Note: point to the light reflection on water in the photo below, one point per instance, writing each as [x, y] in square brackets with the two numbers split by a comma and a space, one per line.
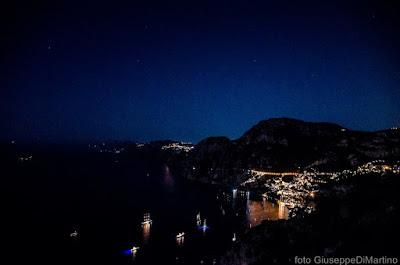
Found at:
[133, 255]
[169, 181]
[146, 232]
[258, 211]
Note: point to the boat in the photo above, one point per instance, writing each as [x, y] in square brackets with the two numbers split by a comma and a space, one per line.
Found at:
[204, 227]
[134, 249]
[146, 219]
[198, 219]
[180, 235]
[74, 234]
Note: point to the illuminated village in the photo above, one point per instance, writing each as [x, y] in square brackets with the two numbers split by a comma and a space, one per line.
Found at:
[178, 146]
[296, 191]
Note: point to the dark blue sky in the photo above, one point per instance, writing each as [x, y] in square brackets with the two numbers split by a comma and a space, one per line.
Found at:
[188, 70]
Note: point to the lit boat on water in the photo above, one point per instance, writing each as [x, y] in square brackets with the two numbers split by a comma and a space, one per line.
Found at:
[198, 219]
[180, 238]
[74, 234]
[204, 226]
[134, 249]
[146, 219]
[180, 235]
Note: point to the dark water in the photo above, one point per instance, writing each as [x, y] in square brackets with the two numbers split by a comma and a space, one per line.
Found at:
[106, 205]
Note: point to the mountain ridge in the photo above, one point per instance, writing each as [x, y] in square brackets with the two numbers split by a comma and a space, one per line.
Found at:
[288, 144]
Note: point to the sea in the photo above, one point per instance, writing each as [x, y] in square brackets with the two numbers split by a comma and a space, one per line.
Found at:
[79, 208]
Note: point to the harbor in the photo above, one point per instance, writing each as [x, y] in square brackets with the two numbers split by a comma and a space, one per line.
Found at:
[204, 223]
[194, 235]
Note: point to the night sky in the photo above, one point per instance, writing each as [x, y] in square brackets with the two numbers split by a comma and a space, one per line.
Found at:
[146, 70]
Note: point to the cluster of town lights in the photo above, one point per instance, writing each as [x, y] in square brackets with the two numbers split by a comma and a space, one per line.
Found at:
[297, 193]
